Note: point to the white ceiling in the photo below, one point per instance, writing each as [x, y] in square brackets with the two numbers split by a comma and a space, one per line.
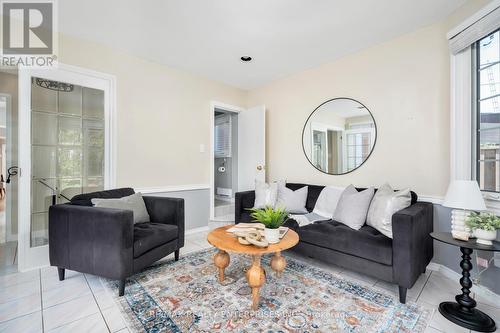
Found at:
[207, 37]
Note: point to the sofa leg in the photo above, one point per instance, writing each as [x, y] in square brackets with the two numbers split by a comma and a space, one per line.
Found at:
[60, 271]
[176, 255]
[402, 294]
[121, 288]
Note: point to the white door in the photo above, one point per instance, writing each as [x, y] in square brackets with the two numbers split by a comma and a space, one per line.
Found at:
[65, 147]
[251, 147]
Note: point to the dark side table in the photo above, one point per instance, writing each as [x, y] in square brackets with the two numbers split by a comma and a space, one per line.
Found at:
[464, 312]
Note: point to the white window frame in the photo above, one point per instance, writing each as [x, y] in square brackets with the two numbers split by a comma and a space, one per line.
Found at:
[357, 131]
[462, 119]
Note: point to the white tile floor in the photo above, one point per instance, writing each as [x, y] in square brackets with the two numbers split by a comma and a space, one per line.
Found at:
[37, 301]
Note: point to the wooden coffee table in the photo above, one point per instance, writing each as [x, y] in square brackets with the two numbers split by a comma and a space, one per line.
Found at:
[227, 242]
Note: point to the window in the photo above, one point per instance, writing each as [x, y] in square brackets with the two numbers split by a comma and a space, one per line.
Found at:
[223, 136]
[486, 102]
[359, 144]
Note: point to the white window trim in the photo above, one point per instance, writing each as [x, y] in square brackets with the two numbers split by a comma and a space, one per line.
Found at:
[461, 117]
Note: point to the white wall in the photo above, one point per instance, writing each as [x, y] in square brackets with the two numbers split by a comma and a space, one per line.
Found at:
[404, 83]
[163, 115]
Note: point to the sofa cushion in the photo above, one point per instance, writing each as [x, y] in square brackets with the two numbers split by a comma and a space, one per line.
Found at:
[365, 243]
[148, 235]
[85, 198]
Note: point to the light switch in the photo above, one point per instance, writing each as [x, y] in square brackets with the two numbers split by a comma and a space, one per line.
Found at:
[202, 148]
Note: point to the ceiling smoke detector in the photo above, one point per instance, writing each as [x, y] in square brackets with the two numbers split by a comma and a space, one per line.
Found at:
[246, 58]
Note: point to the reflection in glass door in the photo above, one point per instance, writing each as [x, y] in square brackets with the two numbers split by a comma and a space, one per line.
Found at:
[67, 147]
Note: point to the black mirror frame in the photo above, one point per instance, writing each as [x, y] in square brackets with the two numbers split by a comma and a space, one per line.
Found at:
[367, 157]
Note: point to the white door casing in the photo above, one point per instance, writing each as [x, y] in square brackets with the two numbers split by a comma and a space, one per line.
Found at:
[251, 147]
[35, 257]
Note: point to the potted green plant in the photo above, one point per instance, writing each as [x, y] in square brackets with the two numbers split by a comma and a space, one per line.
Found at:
[272, 219]
[484, 226]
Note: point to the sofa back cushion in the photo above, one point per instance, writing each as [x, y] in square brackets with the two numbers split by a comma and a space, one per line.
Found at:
[315, 190]
[85, 199]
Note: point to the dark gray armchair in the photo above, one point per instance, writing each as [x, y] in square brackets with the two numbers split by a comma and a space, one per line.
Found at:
[106, 242]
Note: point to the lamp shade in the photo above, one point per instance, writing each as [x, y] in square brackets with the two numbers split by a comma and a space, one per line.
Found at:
[464, 194]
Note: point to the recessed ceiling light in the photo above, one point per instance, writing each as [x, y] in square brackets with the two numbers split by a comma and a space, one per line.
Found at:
[246, 58]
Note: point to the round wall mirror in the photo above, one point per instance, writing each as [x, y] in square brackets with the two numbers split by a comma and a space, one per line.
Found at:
[339, 136]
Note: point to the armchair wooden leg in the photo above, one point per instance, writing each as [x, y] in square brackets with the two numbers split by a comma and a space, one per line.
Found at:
[121, 288]
[402, 294]
[176, 255]
[60, 271]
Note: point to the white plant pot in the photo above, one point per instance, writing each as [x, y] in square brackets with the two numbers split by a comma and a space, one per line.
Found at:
[485, 237]
[272, 235]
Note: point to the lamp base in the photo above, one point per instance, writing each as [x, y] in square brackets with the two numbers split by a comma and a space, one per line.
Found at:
[458, 228]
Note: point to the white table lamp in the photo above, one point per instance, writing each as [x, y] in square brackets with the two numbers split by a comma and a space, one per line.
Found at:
[464, 196]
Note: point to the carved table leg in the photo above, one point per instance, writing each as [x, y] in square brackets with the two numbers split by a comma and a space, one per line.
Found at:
[463, 312]
[256, 278]
[221, 260]
[278, 263]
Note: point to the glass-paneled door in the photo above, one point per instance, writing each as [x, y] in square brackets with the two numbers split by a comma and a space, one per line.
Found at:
[67, 140]
[64, 148]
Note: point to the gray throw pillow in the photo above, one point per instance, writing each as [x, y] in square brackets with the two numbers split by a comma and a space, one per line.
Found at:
[294, 202]
[385, 203]
[133, 202]
[265, 194]
[352, 207]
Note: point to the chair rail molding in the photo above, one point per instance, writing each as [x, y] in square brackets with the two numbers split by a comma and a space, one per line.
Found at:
[172, 188]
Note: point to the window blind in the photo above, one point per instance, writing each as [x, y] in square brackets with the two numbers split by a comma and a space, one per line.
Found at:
[223, 136]
[475, 31]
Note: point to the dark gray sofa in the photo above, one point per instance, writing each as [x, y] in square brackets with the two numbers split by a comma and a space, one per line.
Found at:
[106, 242]
[400, 260]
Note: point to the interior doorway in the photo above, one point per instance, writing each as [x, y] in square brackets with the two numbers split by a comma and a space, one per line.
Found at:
[225, 163]
[237, 155]
[66, 148]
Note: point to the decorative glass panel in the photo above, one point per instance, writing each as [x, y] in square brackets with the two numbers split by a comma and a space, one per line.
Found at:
[68, 188]
[43, 160]
[69, 162]
[42, 194]
[70, 131]
[93, 103]
[71, 102]
[43, 99]
[43, 128]
[67, 148]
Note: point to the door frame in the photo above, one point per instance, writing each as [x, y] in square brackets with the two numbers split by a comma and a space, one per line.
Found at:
[229, 108]
[9, 236]
[31, 258]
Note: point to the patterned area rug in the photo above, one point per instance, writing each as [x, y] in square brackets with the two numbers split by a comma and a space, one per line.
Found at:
[185, 296]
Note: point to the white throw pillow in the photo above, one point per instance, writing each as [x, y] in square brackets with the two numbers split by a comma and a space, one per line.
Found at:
[265, 194]
[328, 200]
[352, 207]
[133, 202]
[385, 203]
[292, 201]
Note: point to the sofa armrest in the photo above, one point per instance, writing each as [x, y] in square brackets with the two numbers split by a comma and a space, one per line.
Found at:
[243, 201]
[412, 248]
[168, 211]
[92, 240]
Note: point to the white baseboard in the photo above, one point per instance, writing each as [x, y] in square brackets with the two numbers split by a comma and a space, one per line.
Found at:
[477, 289]
[196, 230]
